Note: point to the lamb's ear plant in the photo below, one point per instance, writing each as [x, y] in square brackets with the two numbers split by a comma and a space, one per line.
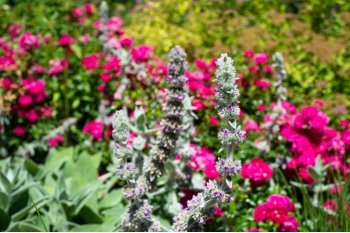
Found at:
[201, 207]
[140, 177]
[272, 128]
[172, 121]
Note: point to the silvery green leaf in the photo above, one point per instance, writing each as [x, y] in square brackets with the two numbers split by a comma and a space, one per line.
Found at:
[314, 173]
[139, 143]
[198, 181]
[299, 185]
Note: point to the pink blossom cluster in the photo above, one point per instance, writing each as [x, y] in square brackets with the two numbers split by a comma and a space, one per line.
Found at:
[203, 159]
[30, 103]
[201, 84]
[277, 209]
[83, 12]
[55, 141]
[95, 129]
[110, 66]
[258, 68]
[20, 79]
[257, 171]
[310, 138]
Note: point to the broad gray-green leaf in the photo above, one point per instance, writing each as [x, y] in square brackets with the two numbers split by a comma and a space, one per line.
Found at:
[111, 199]
[23, 227]
[4, 201]
[4, 220]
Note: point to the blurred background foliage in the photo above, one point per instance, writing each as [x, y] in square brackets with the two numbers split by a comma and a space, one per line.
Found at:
[313, 35]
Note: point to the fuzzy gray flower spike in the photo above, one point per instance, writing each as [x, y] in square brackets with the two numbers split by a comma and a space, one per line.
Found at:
[201, 207]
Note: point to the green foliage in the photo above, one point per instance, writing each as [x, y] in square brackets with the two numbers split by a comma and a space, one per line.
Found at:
[312, 34]
[64, 194]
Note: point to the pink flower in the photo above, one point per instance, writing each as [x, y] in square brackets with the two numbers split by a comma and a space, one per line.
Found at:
[305, 176]
[218, 212]
[32, 116]
[53, 142]
[77, 12]
[114, 24]
[203, 159]
[101, 88]
[262, 83]
[46, 111]
[14, 29]
[201, 64]
[261, 58]
[289, 225]
[248, 53]
[211, 172]
[28, 41]
[142, 53]
[319, 103]
[251, 125]
[37, 69]
[344, 123]
[197, 104]
[7, 62]
[213, 121]
[90, 62]
[260, 213]
[94, 129]
[105, 77]
[19, 131]
[257, 171]
[89, 8]
[268, 69]
[345, 136]
[25, 100]
[85, 38]
[35, 87]
[276, 209]
[57, 66]
[253, 69]
[278, 201]
[255, 229]
[126, 42]
[113, 64]
[261, 107]
[6, 83]
[66, 40]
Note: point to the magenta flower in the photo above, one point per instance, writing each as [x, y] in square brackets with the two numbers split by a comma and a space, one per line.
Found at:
[25, 100]
[94, 129]
[251, 125]
[277, 209]
[77, 12]
[14, 29]
[28, 41]
[66, 40]
[257, 171]
[203, 159]
[105, 77]
[261, 58]
[126, 42]
[90, 62]
[262, 83]
[141, 53]
[248, 53]
[289, 225]
[19, 131]
[213, 121]
[114, 24]
[55, 141]
[255, 229]
[57, 66]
